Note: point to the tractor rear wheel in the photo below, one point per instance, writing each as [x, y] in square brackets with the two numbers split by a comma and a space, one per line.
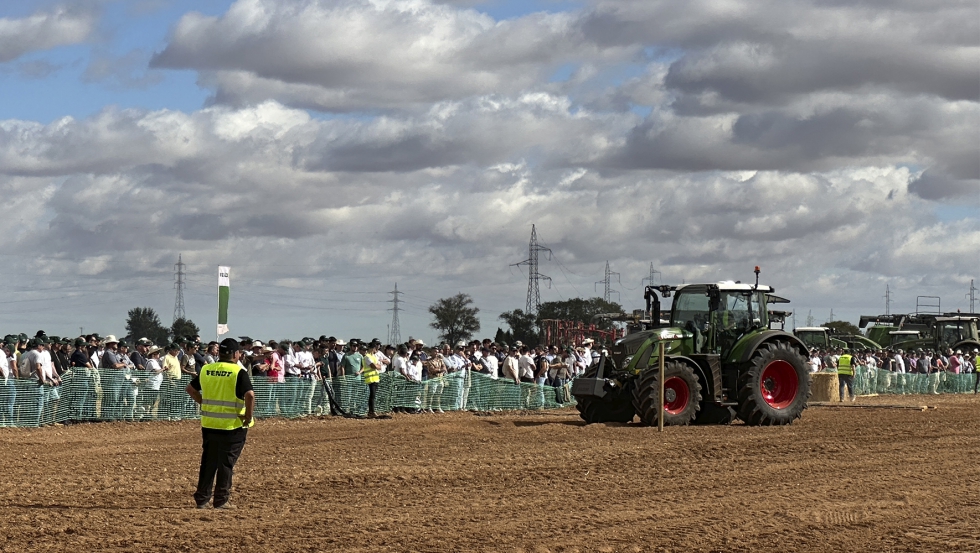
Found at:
[615, 407]
[775, 388]
[682, 395]
[967, 347]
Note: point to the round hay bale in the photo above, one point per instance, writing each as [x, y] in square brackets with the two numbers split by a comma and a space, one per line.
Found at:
[824, 386]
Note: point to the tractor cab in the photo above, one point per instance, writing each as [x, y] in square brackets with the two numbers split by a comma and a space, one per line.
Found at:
[717, 315]
[950, 331]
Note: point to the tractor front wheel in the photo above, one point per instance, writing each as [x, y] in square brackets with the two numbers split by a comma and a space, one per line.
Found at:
[682, 395]
[775, 388]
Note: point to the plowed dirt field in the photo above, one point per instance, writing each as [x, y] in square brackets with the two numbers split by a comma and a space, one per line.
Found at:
[840, 479]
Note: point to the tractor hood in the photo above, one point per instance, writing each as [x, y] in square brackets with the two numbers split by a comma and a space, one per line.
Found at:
[635, 350]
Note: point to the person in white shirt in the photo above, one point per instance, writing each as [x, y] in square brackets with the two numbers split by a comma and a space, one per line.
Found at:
[384, 357]
[415, 367]
[151, 388]
[490, 364]
[288, 402]
[511, 370]
[399, 364]
[525, 366]
[8, 391]
[900, 371]
[307, 385]
[587, 351]
[462, 365]
[48, 381]
[815, 362]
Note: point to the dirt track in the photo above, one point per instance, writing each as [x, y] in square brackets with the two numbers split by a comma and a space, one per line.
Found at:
[839, 480]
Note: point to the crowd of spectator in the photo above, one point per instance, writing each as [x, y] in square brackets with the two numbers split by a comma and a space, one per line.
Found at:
[141, 379]
[925, 361]
[120, 380]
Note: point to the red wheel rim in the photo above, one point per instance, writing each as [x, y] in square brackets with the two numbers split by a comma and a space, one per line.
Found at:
[676, 395]
[779, 384]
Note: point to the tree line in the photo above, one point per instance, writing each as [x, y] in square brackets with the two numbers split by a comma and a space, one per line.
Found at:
[143, 322]
[456, 319]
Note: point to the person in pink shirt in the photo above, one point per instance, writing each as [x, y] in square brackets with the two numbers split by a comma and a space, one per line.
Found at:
[955, 362]
[276, 374]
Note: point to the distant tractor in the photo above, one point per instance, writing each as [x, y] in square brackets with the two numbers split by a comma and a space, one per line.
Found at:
[858, 342]
[721, 361]
[956, 331]
[818, 337]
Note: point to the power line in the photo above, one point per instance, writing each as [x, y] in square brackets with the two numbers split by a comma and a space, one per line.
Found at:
[179, 285]
[607, 282]
[652, 279]
[533, 276]
[973, 296]
[395, 331]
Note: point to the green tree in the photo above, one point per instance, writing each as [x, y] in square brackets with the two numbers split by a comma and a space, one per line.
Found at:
[454, 318]
[502, 337]
[522, 326]
[184, 328]
[843, 327]
[143, 322]
[579, 309]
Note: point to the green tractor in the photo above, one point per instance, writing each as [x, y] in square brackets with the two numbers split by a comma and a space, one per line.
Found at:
[857, 342]
[956, 331]
[952, 331]
[721, 361]
[889, 330]
[818, 337]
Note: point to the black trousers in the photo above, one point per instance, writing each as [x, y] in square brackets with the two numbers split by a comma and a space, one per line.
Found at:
[220, 452]
[372, 394]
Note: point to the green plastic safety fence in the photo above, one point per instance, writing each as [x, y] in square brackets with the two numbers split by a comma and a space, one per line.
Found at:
[120, 395]
[879, 381]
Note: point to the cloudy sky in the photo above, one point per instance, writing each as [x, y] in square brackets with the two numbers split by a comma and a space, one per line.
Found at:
[326, 150]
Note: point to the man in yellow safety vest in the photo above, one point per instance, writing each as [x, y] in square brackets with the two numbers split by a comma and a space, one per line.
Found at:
[845, 374]
[224, 392]
[976, 370]
[370, 372]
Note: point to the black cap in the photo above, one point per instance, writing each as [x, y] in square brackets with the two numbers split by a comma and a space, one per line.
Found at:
[229, 345]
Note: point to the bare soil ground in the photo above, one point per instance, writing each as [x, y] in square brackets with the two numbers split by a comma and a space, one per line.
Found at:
[838, 480]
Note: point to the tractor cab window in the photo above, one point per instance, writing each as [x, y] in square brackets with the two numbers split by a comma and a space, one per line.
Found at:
[956, 331]
[813, 339]
[741, 310]
[690, 310]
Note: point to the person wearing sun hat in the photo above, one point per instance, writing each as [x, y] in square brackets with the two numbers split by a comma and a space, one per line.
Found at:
[111, 375]
[150, 394]
[172, 398]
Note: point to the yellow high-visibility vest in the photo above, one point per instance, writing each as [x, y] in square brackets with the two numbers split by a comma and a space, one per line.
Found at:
[844, 364]
[220, 407]
[369, 373]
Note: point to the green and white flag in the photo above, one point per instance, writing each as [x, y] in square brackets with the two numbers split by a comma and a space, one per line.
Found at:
[224, 285]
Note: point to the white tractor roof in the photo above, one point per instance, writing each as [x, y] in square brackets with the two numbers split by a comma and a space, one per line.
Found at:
[811, 329]
[732, 286]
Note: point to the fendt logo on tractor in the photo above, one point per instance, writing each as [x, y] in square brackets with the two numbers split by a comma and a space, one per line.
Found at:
[721, 361]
